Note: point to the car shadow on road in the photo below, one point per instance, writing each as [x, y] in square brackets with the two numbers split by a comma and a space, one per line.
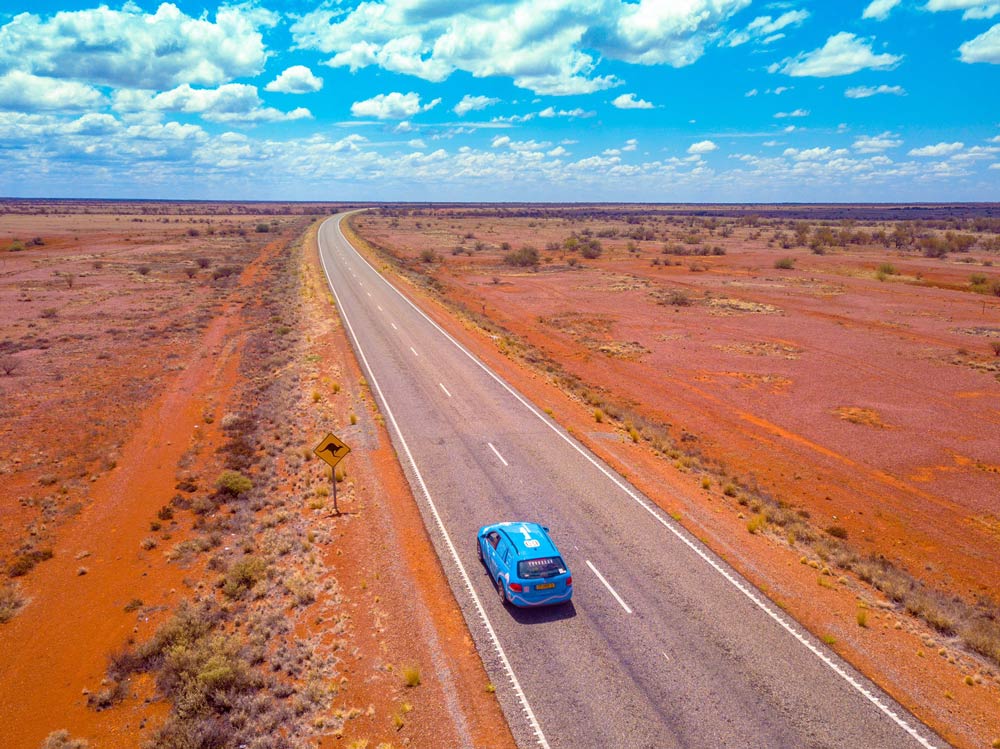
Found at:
[542, 614]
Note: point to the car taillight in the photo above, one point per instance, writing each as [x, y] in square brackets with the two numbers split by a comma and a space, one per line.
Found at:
[569, 581]
[516, 587]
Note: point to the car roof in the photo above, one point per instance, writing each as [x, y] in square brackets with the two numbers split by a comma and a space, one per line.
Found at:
[530, 540]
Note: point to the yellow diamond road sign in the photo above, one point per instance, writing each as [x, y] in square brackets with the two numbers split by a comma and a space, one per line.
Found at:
[332, 450]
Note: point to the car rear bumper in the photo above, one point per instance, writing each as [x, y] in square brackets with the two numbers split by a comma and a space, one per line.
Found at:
[552, 599]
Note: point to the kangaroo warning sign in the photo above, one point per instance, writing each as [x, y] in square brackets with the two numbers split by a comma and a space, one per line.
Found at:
[332, 449]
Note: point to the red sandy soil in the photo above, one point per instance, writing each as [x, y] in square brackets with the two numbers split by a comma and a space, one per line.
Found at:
[873, 405]
[116, 396]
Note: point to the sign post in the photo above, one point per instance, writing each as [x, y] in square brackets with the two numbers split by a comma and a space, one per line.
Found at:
[332, 450]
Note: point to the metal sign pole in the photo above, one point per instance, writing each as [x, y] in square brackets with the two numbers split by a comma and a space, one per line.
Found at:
[333, 475]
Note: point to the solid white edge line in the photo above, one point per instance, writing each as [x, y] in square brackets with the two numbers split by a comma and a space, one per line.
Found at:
[658, 516]
[505, 662]
[608, 586]
[441, 385]
[497, 453]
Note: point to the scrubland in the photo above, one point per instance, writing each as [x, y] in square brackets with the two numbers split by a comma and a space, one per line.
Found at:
[174, 571]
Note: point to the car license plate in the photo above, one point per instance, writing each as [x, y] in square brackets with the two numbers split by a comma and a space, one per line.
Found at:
[545, 586]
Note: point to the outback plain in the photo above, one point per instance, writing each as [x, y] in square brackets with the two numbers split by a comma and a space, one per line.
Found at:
[813, 391]
[175, 573]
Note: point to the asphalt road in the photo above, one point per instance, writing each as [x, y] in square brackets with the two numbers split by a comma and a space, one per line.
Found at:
[664, 645]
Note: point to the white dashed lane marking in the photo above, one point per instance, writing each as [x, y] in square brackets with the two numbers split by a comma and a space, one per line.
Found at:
[610, 589]
[497, 453]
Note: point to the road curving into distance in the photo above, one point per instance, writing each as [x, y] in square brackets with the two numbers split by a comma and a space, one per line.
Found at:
[664, 645]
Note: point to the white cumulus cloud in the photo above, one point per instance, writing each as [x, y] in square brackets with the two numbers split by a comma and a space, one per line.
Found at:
[297, 79]
[842, 54]
[392, 106]
[939, 149]
[793, 113]
[550, 112]
[24, 92]
[473, 104]
[984, 48]
[972, 8]
[549, 48]
[702, 146]
[879, 9]
[863, 92]
[131, 48]
[876, 143]
[765, 28]
[231, 102]
[628, 101]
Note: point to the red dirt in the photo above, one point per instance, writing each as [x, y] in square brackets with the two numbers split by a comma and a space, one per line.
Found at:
[136, 368]
[830, 389]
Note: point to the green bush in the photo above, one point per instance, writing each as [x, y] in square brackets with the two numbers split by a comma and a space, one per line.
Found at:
[243, 576]
[233, 483]
[526, 257]
[785, 263]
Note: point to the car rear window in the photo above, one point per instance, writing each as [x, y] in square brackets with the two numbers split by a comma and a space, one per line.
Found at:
[544, 567]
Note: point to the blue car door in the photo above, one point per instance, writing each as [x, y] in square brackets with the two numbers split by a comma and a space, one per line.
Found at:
[490, 541]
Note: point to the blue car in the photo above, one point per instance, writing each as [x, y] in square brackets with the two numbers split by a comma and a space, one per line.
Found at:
[524, 564]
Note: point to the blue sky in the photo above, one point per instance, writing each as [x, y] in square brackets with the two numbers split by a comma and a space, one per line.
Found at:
[507, 100]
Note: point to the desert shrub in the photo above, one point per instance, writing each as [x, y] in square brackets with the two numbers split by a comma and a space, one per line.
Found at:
[785, 263]
[995, 345]
[192, 232]
[428, 256]
[263, 228]
[9, 365]
[233, 483]
[526, 257]
[977, 279]
[933, 246]
[203, 262]
[143, 270]
[239, 452]
[591, 249]
[887, 269]
[932, 609]
[16, 246]
[411, 676]
[24, 563]
[837, 531]
[677, 298]
[982, 635]
[224, 271]
[10, 603]
[62, 740]
[243, 575]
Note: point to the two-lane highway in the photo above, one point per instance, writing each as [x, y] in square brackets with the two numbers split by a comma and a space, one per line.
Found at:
[663, 645]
